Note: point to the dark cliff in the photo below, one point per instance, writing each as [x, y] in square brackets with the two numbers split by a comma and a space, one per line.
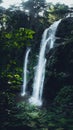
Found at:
[59, 69]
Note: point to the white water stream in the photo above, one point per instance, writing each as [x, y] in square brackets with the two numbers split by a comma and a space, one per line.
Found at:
[25, 73]
[48, 38]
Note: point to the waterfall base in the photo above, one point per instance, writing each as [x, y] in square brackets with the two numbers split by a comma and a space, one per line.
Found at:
[35, 101]
[23, 94]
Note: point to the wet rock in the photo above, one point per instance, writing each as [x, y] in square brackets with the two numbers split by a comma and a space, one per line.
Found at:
[59, 69]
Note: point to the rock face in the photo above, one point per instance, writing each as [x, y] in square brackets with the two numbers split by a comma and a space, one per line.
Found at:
[59, 69]
[65, 28]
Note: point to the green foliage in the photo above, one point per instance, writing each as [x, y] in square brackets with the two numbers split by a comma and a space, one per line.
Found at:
[12, 48]
[34, 117]
[17, 38]
[55, 12]
[65, 96]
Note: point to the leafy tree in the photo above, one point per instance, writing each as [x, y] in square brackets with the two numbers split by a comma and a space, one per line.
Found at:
[16, 19]
[55, 12]
[61, 10]
[34, 7]
[13, 45]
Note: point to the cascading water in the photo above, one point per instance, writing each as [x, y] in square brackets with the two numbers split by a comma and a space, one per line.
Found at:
[48, 38]
[25, 73]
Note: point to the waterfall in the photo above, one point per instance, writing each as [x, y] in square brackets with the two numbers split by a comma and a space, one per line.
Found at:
[25, 73]
[48, 38]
